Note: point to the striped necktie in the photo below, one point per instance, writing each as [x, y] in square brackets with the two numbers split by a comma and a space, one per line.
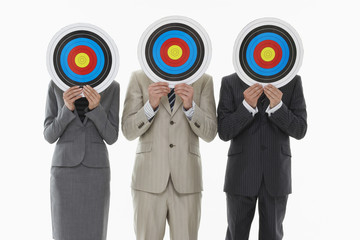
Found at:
[171, 96]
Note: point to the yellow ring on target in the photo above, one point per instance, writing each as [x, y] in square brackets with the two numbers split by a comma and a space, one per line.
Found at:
[82, 60]
[268, 54]
[175, 52]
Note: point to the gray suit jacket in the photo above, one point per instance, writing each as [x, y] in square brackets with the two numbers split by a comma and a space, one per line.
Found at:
[82, 142]
[260, 145]
[169, 144]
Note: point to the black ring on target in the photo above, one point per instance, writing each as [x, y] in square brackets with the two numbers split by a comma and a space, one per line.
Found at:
[170, 27]
[268, 51]
[268, 29]
[88, 35]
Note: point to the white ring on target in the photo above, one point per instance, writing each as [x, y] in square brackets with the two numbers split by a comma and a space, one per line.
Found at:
[175, 19]
[91, 28]
[275, 22]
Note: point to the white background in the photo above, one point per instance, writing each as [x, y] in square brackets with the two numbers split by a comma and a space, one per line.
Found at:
[325, 199]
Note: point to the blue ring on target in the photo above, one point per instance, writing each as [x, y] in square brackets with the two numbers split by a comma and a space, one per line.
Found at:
[99, 55]
[174, 34]
[251, 48]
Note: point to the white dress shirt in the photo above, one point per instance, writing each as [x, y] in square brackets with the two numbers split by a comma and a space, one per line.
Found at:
[269, 110]
[150, 113]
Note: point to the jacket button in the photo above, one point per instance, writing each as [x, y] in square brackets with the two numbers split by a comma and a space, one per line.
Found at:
[197, 125]
[141, 124]
[171, 145]
[172, 122]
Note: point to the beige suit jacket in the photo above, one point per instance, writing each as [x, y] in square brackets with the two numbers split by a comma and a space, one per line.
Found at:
[169, 144]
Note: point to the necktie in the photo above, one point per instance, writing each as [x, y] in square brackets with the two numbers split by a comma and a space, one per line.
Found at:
[171, 96]
[262, 98]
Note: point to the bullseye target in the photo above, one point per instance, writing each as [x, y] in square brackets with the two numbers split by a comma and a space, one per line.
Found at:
[174, 49]
[82, 54]
[268, 50]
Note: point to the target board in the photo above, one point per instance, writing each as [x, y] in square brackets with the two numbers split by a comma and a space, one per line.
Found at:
[82, 54]
[268, 50]
[174, 49]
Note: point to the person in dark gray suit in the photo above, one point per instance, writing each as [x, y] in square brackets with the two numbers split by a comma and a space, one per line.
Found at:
[80, 173]
[259, 121]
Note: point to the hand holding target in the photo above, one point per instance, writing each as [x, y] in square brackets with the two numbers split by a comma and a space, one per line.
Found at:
[156, 91]
[252, 94]
[70, 96]
[92, 96]
[273, 94]
[186, 93]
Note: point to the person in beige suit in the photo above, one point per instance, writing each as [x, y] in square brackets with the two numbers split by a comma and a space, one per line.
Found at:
[167, 178]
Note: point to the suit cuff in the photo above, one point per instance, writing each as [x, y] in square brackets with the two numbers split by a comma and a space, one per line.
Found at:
[250, 108]
[97, 115]
[149, 111]
[270, 111]
[190, 112]
[66, 116]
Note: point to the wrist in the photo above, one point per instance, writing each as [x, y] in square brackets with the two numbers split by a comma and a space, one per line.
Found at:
[71, 108]
[272, 105]
[250, 103]
[188, 105]
[153, 105]
[92, 107]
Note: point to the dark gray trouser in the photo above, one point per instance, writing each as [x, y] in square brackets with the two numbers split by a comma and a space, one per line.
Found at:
[240, 213]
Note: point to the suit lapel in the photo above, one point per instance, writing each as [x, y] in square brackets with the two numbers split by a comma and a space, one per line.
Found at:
[178, 103]
[78, 118]
[85, 120]
[165, 102]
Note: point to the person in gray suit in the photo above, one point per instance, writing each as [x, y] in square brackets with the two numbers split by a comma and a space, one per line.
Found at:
[80, 173]
[259, 121]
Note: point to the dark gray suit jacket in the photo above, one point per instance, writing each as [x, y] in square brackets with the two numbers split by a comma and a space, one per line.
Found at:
[82, 142]
[260, 145]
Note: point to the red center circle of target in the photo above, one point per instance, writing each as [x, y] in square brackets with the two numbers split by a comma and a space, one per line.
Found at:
[257, 54]
[164, 52]
[88, 51]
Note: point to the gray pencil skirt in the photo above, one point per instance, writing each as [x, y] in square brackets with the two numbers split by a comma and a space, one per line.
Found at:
[79, 202]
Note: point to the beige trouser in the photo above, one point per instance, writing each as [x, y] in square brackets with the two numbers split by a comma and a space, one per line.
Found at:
[152, 209]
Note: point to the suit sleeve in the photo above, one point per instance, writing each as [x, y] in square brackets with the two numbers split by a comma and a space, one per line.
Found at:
[107, 123]
[231, 119]
[56, 120]
[204, 122]
[134, 122]
[292, 119]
